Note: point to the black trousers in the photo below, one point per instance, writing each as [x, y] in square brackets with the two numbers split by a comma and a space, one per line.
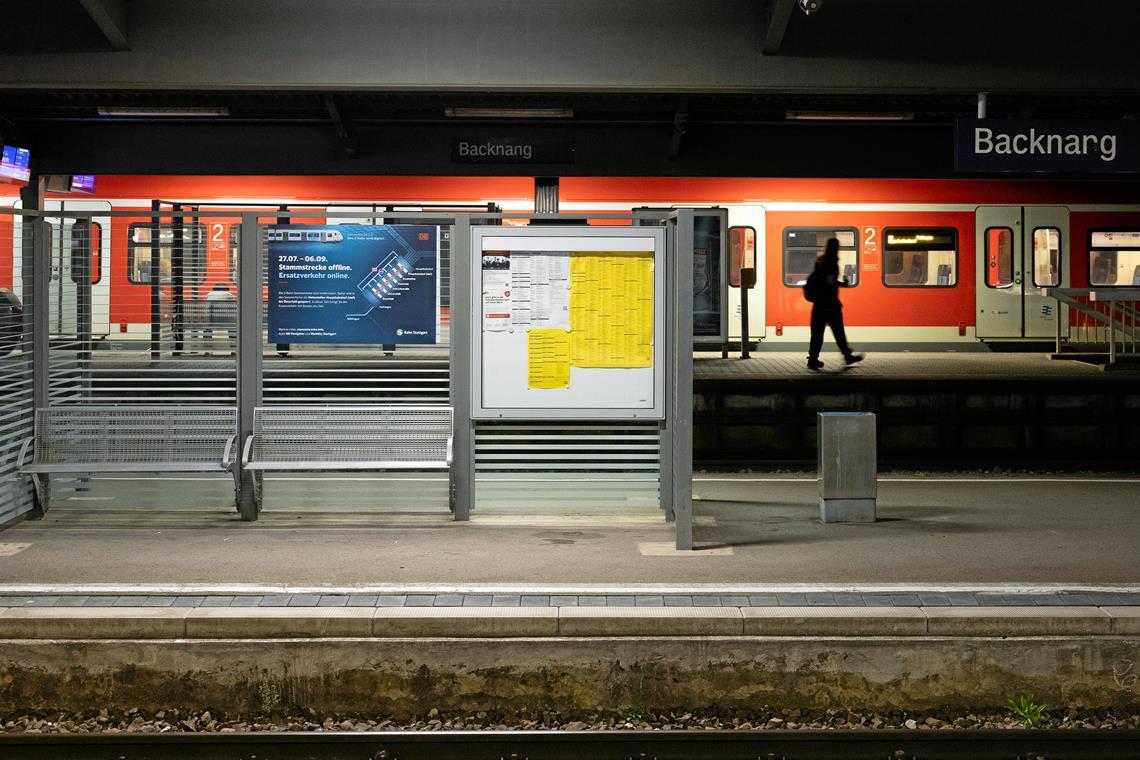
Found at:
[821, 318]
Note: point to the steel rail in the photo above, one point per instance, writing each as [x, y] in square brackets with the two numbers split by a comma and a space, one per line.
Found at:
[1036, 744]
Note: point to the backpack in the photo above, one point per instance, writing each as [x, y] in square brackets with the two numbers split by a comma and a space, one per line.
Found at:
[813, 288]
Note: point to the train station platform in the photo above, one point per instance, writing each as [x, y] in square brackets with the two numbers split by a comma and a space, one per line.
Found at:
[934, 410]
[751, 530]
[967, 591]
[964, 365]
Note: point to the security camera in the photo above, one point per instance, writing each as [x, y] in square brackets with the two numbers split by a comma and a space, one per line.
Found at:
[809, 6]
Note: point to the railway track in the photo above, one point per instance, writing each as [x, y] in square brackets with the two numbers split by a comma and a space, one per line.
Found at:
[583, 745]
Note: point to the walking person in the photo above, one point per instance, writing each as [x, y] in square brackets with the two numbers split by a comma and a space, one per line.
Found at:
[822, 289]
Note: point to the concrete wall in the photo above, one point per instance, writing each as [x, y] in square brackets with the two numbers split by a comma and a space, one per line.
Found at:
[402, 677]
[661, 45]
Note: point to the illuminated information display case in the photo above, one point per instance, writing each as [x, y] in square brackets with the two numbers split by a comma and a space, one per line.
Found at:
[570, 322]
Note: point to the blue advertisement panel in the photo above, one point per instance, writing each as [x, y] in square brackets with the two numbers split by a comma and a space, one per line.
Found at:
[353, 283]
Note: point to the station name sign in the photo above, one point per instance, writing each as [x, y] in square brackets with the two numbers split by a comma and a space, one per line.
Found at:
[999, 145]
[509, 150]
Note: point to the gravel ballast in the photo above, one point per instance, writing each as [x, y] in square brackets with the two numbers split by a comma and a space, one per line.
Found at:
[186, 721]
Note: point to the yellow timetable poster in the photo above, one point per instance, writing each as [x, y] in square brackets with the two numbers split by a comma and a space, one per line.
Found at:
[547, 359]
[611, 309]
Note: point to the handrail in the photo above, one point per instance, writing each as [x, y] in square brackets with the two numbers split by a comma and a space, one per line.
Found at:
[1106, 307]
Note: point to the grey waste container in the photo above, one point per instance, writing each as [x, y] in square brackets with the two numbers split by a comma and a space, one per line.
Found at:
[848, 469]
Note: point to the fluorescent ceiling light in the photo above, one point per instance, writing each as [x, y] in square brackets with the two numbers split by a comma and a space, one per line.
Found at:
[509, 113]
[163, 111]
[846, 116]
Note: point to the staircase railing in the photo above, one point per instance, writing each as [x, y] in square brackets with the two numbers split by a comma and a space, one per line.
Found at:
[1099, 320]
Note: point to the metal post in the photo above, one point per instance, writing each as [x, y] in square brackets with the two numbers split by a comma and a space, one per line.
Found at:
[1111, 332]
[983, 104]
[745, 351]
[681, 396]
[155, 283]
[248, 352]
[81, 276]
[665, 468]
[1060, 313]
[463, 328]
[41, 313]
[177, 263]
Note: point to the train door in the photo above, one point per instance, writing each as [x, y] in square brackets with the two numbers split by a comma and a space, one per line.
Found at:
[746, 226]
[1019, 254]
[78, 292]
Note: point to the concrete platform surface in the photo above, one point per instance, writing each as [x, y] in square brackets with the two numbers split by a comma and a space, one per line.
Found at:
[907, 365]
[752, 531]
[88, 624]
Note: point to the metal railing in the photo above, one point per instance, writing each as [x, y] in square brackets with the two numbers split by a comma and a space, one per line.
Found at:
[1099, 321]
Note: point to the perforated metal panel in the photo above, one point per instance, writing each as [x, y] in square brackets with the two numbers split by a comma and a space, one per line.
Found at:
[175, 437]
[16, 400]
[592, 464]
[363, 436]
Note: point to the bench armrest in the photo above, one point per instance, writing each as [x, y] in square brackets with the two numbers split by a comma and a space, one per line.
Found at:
[229, 448]
[449, 440]
[247, 448]
[24, 451]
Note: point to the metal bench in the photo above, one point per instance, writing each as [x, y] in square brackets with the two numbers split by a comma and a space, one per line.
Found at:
[347, 438]
[83, 439]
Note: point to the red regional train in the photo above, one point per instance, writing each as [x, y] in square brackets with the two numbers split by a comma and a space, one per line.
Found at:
[932, 262]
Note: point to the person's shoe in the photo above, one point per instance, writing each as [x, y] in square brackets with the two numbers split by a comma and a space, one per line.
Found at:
[853, 359]
[815, 364]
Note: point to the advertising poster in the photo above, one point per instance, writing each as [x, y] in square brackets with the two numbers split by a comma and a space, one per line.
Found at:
[353, 283]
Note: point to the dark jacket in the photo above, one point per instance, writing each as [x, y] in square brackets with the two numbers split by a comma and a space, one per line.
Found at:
[827, 291]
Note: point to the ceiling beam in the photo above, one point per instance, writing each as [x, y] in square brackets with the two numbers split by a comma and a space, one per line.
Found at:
[111, 18]
[779, 12]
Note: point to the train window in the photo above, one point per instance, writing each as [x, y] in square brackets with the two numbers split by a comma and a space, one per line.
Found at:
[920, 257]
[803, 245]
[1114, 258]
[139, 250]
[1046, 257]
[999, 257]
[741, 252]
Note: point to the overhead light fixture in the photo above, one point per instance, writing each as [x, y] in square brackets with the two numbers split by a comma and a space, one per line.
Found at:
[509, 113]
[164, 112]
[846, 116]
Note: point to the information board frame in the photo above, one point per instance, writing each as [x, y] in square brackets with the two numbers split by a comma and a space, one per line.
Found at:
[559, 239]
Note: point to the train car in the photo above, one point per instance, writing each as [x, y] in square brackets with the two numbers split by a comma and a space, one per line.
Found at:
[931, 263]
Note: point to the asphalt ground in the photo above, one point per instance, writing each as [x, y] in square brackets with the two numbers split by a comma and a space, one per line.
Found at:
[750, 530]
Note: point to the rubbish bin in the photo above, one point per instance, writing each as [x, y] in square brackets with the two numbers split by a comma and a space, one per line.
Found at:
[848, 468]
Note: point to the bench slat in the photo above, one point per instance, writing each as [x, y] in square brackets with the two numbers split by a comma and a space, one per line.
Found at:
[132, 438]
[351, 438]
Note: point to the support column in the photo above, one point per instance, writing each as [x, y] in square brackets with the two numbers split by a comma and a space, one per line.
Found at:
[248, 353]
[680, 411]
[463, 323]
[36, 275]
[665, 467]
[155, 284]
[41, 312]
